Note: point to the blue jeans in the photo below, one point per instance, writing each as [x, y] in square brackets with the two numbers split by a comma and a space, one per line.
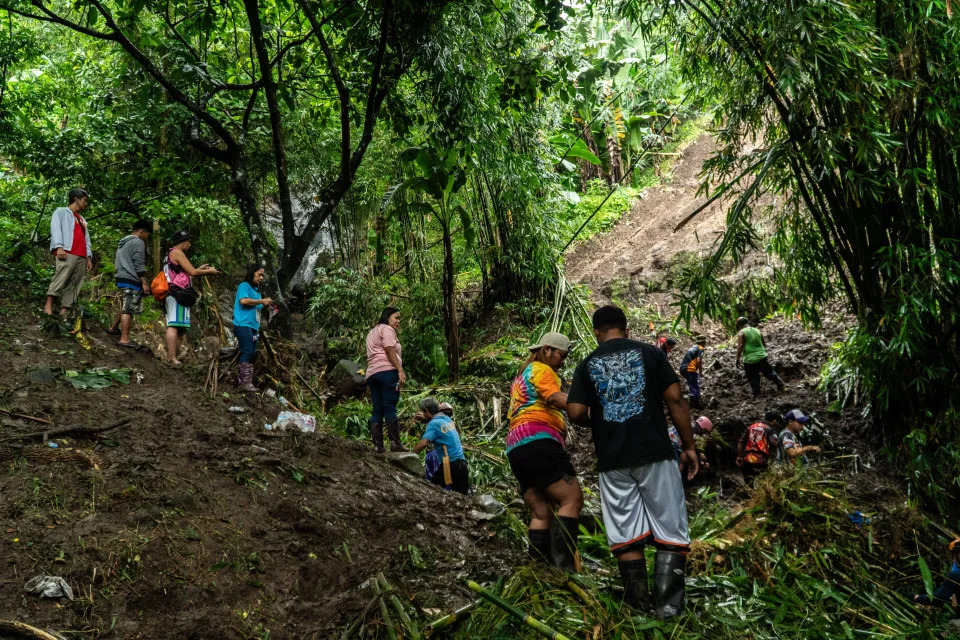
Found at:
[385, 394]
[247, 342]
[693, 381]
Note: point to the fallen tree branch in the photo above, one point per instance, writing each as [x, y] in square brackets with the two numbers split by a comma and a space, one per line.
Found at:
[25, 417]
[63, 431]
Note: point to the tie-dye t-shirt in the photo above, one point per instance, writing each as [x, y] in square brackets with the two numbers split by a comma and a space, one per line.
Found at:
[531, 417]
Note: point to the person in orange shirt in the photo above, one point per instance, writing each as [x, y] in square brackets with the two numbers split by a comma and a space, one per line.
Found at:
[692, 369]
[535, 449]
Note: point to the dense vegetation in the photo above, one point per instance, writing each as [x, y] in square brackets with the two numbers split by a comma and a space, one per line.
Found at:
[443, 156]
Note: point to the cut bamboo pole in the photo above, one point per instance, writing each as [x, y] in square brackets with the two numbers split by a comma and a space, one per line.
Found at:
[451, 618]
[384, 611]
[405, 620]
[530, 621]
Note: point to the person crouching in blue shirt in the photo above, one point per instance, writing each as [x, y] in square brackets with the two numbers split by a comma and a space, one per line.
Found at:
[949, 591]
[441, 432]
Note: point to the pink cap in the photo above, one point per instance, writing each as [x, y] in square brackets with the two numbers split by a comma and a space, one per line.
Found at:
[704, 423]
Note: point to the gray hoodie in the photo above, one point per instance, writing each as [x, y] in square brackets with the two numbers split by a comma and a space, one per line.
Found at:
[131, 261]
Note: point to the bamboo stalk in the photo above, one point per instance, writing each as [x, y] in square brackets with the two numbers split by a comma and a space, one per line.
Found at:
[448, 620]
[24, 630]
[384, 611]
[530, 621]
[580, 593]
[405, 620]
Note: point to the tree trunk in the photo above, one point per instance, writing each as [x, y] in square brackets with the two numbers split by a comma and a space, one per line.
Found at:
[450, 306]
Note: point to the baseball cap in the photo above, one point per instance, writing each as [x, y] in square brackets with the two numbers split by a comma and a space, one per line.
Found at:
[796, 414]
[180, 236]
[705, 423]
[554, 340]
[447, 408]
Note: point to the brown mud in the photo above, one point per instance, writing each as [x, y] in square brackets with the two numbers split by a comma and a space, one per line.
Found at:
[191, 522]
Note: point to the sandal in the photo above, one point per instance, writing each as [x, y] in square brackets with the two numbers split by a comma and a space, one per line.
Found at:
[130, 345]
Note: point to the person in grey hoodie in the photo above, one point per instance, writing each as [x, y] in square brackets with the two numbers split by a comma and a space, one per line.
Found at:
[131, 279]
[70, 244]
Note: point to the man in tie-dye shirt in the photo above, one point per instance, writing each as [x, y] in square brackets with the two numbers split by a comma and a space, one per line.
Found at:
[537, 458]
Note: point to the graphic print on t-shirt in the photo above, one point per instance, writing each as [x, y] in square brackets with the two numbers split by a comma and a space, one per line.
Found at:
[620, 383]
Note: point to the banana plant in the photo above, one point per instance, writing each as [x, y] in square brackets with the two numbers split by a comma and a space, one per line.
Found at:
[439, 177]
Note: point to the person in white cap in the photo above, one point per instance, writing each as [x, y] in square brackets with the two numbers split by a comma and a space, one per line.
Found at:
[791, 449]
[535, 449]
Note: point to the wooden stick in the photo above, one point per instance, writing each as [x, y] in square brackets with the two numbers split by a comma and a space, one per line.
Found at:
[62, 431]
[307, 385]
[25, 417]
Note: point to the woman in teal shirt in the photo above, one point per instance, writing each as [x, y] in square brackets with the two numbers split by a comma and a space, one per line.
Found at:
[246, 323]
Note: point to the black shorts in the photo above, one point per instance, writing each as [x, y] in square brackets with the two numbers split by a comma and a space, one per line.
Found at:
[540, 463]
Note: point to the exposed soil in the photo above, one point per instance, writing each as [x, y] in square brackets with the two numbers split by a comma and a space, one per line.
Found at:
[190, 523]
[643, 248]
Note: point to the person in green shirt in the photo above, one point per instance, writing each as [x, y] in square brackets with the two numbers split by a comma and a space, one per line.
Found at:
[753, 351]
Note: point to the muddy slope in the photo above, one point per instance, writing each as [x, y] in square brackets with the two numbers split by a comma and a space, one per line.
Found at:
[190, 523]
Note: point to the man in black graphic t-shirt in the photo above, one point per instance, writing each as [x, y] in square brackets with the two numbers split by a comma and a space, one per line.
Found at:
[620, 391]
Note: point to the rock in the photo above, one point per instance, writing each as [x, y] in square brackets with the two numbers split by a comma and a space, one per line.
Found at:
[209, 348]
[489, 504]
[41, 375]
[337, 347]
[406, 460]
[480, 516]
[952, 629]
[346, 381]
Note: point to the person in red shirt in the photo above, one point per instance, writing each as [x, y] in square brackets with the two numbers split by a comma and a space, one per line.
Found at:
[70, 244]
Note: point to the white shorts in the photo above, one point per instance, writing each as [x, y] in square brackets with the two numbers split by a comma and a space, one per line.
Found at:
[177, 314]
[643, 505]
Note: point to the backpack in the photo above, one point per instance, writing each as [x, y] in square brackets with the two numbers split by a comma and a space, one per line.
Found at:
[160, 287]
[757, 448]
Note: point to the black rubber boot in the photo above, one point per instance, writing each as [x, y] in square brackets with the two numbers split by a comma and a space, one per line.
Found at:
[393, 432]
[376, 434]
[563, 543]
[636, 592]
[668, 583]
[539, 548]
[695, 402]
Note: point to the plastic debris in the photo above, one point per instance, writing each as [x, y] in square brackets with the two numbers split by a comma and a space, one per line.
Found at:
[49, 587]
[858, 519]
[53, 445]
[292, 419]
[237, 409]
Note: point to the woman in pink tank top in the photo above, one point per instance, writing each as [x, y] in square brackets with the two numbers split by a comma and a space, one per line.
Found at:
[385, 377]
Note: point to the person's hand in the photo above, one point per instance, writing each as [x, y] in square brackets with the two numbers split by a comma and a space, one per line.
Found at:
[814, 448]
[266, 301]
[61, 254]
[402, 378]
[89, 264]
[689, 463]
[212, 271]
[739, 461]
[204, 267]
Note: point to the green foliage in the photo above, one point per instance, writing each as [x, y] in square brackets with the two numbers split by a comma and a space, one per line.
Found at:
[97, 378]
[766, 572]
